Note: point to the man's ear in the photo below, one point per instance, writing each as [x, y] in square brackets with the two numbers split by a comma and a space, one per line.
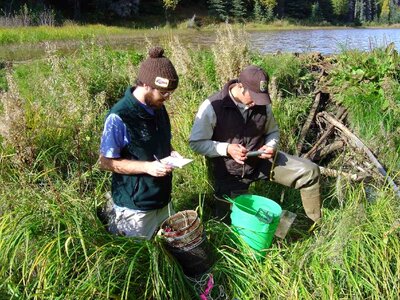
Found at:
[147, 87]
[243, 89]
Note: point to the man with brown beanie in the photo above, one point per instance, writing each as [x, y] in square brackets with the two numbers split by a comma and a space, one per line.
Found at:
[137, 134]
[234, 123]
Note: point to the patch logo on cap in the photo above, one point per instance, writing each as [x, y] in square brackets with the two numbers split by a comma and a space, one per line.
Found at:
[263, 86]
[161, 82]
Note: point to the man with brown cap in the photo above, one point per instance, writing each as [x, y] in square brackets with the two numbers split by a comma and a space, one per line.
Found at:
[234, 123]
[137, 134]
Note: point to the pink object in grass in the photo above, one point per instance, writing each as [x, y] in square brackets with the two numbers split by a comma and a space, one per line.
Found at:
[207, 291]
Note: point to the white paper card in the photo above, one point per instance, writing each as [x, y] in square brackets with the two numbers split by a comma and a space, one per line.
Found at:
[176, 162]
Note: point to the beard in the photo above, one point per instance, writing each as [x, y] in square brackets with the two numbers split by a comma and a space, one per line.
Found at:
[151, 101]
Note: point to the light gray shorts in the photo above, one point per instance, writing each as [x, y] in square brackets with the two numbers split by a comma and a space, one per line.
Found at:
[138, 223]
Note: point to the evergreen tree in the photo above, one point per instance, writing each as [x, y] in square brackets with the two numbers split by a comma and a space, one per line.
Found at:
[376, 10]
[326, 9]
[368, 10]
[258, 11]
[394, 11]
[269, 6]
[219, 8]
[359, 11]
[239, 10]
[340, 7]
[349, 15]
[298, 9]
[385, 11]
[264, 10]
[316, 13]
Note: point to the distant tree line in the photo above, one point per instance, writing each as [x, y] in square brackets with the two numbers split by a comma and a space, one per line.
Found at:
[332, 11]
[314, 11]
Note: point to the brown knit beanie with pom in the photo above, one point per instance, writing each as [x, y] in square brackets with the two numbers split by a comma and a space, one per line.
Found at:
[158, 72]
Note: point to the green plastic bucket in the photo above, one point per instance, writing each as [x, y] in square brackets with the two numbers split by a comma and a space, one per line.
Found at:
[255, 219]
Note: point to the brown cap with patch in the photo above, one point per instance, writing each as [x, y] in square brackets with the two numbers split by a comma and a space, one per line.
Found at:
[158, 72]
[256, 81]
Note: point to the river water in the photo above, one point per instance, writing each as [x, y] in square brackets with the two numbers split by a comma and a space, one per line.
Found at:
[325, 41]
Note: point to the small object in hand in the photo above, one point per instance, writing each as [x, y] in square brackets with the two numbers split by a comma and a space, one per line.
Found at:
[254, 153]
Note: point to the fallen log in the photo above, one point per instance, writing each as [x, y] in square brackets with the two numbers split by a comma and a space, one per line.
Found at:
[358, 144]
[341, 114]
[307, 123]
[361, 169]
[321, 153]
[335, 173]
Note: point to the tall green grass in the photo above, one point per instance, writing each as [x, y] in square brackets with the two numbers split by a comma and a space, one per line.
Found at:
[67, 32]
[53, 246]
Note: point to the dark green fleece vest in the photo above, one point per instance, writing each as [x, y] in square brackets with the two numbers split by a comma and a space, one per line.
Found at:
[150, 136]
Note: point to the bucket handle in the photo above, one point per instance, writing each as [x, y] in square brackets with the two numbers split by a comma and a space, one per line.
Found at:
[261, 214]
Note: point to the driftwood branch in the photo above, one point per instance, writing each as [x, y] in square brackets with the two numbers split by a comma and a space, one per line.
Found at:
[307, 124]
[355, 165]
[341, 114]
[321, 153]
[335, 173]
[357, 143]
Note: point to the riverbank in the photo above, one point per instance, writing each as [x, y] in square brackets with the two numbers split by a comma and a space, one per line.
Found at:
[277, 37]
[21, 35]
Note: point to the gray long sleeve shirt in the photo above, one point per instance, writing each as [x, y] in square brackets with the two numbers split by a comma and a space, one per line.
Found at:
[203, 129]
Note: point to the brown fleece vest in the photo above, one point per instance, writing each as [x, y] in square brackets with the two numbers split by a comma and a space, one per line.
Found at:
[232, 128]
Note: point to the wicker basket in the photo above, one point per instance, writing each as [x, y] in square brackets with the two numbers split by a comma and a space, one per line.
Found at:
[182, 229]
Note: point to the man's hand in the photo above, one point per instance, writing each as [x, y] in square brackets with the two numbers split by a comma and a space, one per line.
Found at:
[269, 152]
[176, 154]
[129, 167]
[158, 169]
[237, 152]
